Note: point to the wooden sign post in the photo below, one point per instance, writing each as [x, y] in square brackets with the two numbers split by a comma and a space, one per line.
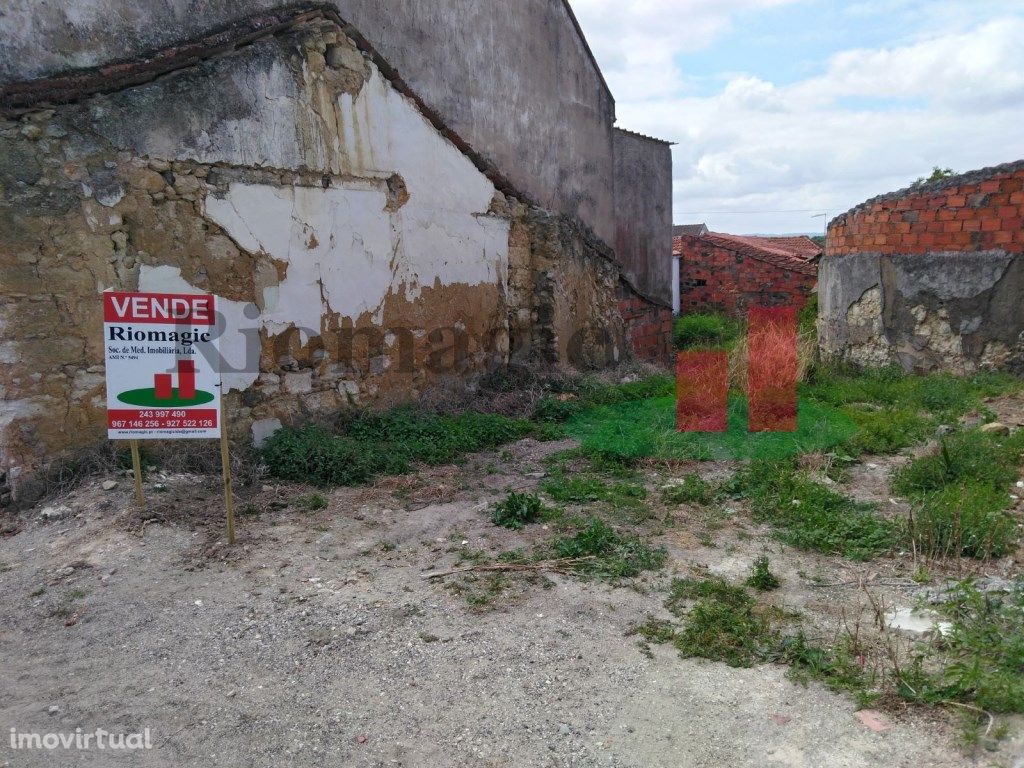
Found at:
[163, 379]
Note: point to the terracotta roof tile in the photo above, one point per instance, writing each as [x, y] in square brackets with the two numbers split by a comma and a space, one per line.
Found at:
[784, 252]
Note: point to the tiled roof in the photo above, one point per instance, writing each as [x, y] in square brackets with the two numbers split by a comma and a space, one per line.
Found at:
[770, 250]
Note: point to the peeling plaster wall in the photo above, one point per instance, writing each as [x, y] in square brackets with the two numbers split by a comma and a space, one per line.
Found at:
[930, 277]
[358, 255]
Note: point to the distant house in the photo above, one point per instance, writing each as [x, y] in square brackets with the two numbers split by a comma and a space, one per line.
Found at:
[725, 273]
[693, 230]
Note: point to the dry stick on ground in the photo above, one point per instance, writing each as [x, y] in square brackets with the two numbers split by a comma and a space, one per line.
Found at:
[554, 566]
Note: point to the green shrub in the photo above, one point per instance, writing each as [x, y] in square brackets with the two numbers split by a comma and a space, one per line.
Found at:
[613, 554]
[969, 520]
[691, 489]
[704, 331]
[552, 409]
[517, 511]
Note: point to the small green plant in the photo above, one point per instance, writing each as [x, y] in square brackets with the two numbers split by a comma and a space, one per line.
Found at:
[517, 511]
[311, 502]
[556, 409]
[606, 553]
[761, 576]
[704, 331]
[691, 489]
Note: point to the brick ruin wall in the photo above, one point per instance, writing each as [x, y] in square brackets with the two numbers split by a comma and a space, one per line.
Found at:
[930, 277]
[648, 326]
[717, 279]
[359, 256]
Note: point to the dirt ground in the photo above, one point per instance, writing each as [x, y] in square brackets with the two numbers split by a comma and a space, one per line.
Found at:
[318, 641]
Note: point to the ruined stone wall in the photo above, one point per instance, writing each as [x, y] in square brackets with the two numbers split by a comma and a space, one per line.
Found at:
[358, 254]
[929, 277]
[648, 326]
[515, 80]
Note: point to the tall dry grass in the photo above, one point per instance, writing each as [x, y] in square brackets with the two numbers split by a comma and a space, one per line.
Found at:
[806, 360]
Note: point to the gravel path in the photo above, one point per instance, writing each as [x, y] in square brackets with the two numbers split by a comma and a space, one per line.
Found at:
[319, 643]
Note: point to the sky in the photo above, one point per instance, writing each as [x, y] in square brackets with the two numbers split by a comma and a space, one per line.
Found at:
[784, 110]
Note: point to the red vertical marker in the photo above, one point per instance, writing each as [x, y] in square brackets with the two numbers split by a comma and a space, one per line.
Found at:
[772, 369]
[186, 379]
[702, 392]
[162, 386]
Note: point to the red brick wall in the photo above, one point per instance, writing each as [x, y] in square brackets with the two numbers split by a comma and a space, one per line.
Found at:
[648, 326]
[975, 212]
[717, 279]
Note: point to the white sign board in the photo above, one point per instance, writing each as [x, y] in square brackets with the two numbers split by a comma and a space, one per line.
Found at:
[162, 360]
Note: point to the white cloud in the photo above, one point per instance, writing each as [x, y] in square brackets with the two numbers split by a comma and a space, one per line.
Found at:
[870, 121]
[637, 40]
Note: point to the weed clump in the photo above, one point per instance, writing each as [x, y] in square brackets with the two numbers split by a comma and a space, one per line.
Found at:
[980, 660]
[312, 502]
[588, 487]
[517, 511]
[724, 624]
[606, 553]
[761, 576]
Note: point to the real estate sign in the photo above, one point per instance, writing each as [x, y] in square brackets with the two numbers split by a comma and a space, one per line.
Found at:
[162, 373]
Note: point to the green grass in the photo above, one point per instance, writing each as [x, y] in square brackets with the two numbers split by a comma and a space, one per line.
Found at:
[647, 429]
[967, 457]
[384, 444]
[704, 331]
[690, 489]
[592, 394]
[587, 487]
[970, 520]
[724, 624]
[962, 505]
[808, 515]
[893, 410]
